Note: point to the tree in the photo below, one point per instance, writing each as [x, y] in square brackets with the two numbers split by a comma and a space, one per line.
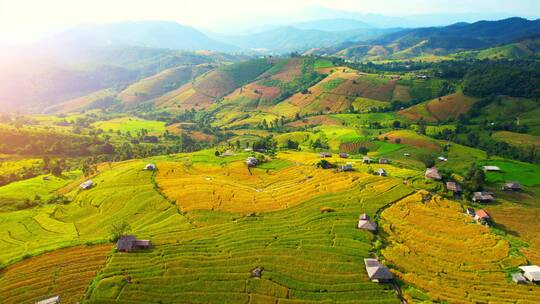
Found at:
[422, 126]
[119, 230]
[56, 169]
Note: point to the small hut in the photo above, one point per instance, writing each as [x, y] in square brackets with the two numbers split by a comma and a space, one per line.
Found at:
[453, 186]
[87, 184]
[433, 173]
[512, 186]
[364, 223]
[251, 161]
[128, 243]
[384, 161]
[492, 169]
[51, 300]
[482, 215]
[531, 273]
[366, 160]
[150, 167]
[325, 154]
[343, 155]
[519, 278]
[483, 197]
[377, 272]
[470, 212]
[381, 172]
[347, 167]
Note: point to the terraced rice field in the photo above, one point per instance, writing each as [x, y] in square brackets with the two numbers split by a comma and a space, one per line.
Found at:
[440, 109]
[65, 272]
[517, 139]
[132, 125]
[307, 256]
[434, 246]
[234, 188]
[411, 138]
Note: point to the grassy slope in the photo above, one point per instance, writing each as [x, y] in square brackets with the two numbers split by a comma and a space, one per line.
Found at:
[437, 110]
[131, 124]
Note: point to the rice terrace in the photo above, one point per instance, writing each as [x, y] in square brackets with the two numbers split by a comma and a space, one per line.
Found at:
[280, 153]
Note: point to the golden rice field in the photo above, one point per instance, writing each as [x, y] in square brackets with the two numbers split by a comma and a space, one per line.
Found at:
[435, 247]
[65, 272]
[235, 188]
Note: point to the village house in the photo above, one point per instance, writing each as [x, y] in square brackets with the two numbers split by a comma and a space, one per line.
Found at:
[433, 173]
[364, 223]
[483, 197]
[325, 154]
[491, 169]
[347, 167]
[511, 186]
[150, 167]
[377, 272]
[87, 184]
[128, 243]
[384, 161]
[251, 161]
[531, 273]
[454, 187]
[51, 300]
[343, 155]
[381, 172]
[482, 216]
[442, 158]
[366, 160]
[470, 212]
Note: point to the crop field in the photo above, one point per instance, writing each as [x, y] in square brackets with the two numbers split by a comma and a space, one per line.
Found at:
[519, 214]
[517, 139]
[65, 272]
[126, 193]
[435, 247]
[9, 165]
[314, 121]
[234, 188]
[366, 104]
[525, 173]
[364, 119]
[440, 109]
[131, 124]
[18, 194]
[411, 138]
[306, 256]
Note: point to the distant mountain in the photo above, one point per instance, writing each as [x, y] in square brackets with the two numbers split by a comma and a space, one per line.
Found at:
[290, 38]
[438, 40]
[152, 34]
[332, 25]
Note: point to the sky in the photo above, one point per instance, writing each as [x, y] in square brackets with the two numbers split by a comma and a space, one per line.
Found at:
[27, 20]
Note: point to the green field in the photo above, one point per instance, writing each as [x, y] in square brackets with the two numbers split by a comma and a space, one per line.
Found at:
[525, 173]
[131, 124]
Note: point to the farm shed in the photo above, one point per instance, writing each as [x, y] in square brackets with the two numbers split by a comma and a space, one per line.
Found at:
[518, 278]
[87, 184]
[531, 273]
[470, 212]
[377, 272]
[482, 215]
[150, 167]
[325, 154]
[366, 160]
[251, 161]
[364, 223]
[512, 186]
[343, 155]
[483, 197]
[381, 172]
[453, 186]
[384, 161]
[51, 300]
[129, 243]
[433, 173]
[347, 167]
[492, 169]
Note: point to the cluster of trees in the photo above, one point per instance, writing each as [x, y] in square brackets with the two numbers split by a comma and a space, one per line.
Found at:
[274, 125]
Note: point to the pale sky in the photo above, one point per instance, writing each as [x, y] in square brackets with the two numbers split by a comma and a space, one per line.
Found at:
[27, 19]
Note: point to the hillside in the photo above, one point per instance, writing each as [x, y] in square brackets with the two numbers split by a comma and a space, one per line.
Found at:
[442, 109]
[411, 43]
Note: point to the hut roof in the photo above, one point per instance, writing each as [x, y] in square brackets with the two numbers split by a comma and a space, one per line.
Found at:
[482, 214]
[532, 272]
[126, 243]
[376, 271]
[325, 154]
[512, 185]
[491, 168]
[453, 186]
[51, 300]
[343, 155]
[87, 184]
[367, 225]
[482, 196]
[518, 278]
[381, 171]
[433, 173]
[150, 166]
[364, 217]
[384, 161]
